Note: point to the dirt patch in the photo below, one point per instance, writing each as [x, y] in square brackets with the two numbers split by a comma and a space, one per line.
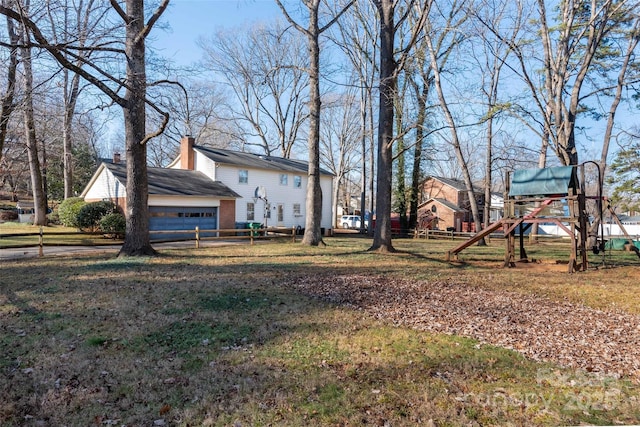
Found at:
[542, 329]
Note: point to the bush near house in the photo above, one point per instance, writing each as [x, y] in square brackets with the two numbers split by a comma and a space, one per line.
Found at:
[69, 209]
[113, 225]
[90, 214]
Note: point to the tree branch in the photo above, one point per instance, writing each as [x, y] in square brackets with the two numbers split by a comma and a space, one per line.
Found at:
[57, 54]
[336, 17]
[151, 22]
[120, 11]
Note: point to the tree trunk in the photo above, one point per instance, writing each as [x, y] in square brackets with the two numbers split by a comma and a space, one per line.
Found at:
[312, 232]
[455, 141]
[136, 242]
[37, 186]
[363, 176]
[71, 98]
[401, 191]
[421, 97]
[7, 99]
[602, 165]
[382, 234]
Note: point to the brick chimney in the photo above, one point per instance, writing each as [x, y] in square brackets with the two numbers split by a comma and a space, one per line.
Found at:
[116, 158]
[186, 152]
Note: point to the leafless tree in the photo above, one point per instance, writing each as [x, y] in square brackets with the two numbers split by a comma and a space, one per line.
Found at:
[8, 105]
[339, 142]
[77, 23]
[264, 68]
[490, 61]
[390, 66]
[312, 32]
[133, 102]
[357, 35]
[38, 188]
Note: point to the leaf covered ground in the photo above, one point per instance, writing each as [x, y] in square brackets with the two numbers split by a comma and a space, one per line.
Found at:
[280, 334]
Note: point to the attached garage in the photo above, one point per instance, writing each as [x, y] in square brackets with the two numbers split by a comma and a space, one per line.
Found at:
[178, 199]
[166, 218]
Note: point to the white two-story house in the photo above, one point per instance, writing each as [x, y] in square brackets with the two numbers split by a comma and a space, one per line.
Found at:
[219, 189]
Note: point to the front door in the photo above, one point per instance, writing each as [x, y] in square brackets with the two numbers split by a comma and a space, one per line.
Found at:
[280, 214]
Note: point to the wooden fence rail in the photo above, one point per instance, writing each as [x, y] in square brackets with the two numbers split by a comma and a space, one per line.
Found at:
[198, 236]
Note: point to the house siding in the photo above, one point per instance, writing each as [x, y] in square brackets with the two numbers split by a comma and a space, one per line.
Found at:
[106, 186]
[434, 189]
[277, 194]
[187, 201]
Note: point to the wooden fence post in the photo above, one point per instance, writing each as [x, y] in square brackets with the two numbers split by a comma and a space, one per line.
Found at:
[197, 237]
[293, 233]
[41, 243]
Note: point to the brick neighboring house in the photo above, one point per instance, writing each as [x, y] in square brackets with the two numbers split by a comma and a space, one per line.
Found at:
[445, 205]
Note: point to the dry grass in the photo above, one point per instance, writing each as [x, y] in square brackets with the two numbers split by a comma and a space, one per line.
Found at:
[215, 337]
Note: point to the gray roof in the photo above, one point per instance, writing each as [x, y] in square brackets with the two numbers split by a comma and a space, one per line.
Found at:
[443, 202]
[627, 218]
[450, 205]
[177, 182]
[257, 161]
[455, 183]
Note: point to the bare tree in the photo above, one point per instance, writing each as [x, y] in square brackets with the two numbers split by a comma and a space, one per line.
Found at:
[37, 180]
[76, 23]
[575, 45]
[357, 37]
[339, 142]
[133, 104]
[312, 232]
[451, 29]
[264, 68]
[390, 67]
[8, 105]
[490, 62]
[570, 57]
[196, 108]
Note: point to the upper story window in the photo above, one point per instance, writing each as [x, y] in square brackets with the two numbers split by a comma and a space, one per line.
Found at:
[297, 181]
[243, 176]
[284, 179]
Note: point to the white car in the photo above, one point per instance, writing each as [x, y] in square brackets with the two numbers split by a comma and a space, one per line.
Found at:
[352, 221]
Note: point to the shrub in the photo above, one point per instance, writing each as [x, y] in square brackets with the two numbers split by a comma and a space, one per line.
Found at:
[53, 218]
[90, 214]
[69, 209]
[113, 225]
[8, 215]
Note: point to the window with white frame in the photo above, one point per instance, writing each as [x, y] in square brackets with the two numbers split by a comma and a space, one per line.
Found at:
[243, 176]
[284, 179]
[296, 209]
[297, 181]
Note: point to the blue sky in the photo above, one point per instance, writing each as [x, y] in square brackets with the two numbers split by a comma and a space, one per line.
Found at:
[190, 19]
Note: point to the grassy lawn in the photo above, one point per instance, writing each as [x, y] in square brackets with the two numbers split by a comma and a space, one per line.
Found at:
[218, 336]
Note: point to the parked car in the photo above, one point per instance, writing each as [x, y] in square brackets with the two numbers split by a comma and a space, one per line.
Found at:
[352, 221]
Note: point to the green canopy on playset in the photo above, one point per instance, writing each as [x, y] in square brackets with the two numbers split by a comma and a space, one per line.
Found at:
[556, 181]
[618, 243]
